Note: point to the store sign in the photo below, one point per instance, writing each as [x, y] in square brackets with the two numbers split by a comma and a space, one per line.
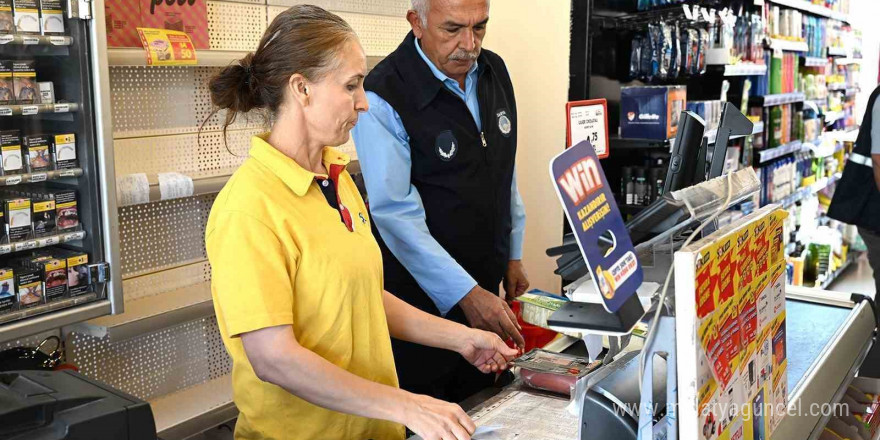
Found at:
[588, 121]
[167, 48]
[598, 226]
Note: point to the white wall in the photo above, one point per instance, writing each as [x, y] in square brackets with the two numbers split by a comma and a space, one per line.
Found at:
[534, 42]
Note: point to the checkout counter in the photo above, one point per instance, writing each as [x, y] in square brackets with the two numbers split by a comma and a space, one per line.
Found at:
[828, 336]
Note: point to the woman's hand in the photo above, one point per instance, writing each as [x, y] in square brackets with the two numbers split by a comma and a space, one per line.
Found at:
[486, 351]
[433, 419]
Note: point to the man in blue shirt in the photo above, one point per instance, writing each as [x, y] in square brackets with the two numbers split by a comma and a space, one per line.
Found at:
[437, 151]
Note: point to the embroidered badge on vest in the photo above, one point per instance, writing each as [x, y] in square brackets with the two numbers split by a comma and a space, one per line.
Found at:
[446, 146]
[504, 123]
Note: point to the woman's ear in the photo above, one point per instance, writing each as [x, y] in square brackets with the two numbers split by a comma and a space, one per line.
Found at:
[299, 89]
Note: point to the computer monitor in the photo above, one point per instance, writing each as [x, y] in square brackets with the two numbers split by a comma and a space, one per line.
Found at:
[685, 152]
[733, 124]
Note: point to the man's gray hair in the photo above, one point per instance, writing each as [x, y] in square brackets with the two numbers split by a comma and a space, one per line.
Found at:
[422, 7]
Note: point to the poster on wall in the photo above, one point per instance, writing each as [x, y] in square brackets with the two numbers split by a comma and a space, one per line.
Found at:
[588, 121]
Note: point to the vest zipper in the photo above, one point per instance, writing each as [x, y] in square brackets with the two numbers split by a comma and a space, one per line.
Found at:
[483, 138]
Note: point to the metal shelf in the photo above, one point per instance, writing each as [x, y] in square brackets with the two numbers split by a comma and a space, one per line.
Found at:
[16, 179]
[777, 152]
[780, 99]
[152, 313]
[848, 60]
[745, 69]
[37, 243]
[188, 411]
[35, 40]
[34, 109]
[55, 318]
[201, 186]
[790, 46]
[806, 6]
[831, 117]
[815, 62]
[808, 191]
[210, 58]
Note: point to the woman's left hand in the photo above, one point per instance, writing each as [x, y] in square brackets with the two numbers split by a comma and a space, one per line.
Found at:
[486, 351]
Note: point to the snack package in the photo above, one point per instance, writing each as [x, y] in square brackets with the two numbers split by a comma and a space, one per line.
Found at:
[554, 372]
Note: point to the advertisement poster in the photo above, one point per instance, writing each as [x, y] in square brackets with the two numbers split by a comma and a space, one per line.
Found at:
[167, 48]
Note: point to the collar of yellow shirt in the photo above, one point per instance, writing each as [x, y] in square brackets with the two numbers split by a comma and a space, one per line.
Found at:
[297, 178]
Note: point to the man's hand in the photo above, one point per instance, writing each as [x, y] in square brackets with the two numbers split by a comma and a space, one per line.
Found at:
[487, 311]
[486, 351]
[516, 282]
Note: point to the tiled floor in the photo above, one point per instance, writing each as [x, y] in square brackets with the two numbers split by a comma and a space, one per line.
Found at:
[859, 278]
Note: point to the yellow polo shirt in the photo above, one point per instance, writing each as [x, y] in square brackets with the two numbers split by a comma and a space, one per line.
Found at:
[280, 255]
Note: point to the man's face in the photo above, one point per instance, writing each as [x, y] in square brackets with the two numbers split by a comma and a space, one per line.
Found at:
[454, 34]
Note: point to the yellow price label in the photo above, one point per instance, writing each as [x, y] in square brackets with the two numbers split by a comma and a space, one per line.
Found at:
[167, 48]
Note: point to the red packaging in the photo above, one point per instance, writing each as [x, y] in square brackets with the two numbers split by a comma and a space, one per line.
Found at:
[190, 16]
[123, 18]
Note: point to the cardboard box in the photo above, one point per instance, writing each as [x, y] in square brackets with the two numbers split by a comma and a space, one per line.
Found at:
[123, 17]
[63, 149]
[10, 151]
[24, 80]
[18, 215]
[7, 24]
[44, 217]
[8, 299]
[29, 287]
[52, 15]
[36, 149]
[7, 87]
[54, 272]
[26, 14]
[190, 17]
[47, 92]
[651, 112]
[66, 208]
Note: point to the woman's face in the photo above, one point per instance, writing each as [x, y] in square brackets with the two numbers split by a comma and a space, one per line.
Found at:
[336, 100]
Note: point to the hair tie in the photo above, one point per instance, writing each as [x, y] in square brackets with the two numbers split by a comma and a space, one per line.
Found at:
[248, 73]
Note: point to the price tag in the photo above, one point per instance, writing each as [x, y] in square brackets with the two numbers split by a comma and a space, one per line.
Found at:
[38, 177]
[167, 48]
[25, 245]
[29, 40]
[588, 121]
[48, 241]
[73, 236]
[58, 41]
[62, 108]
[27, 110]
[5, 249]
[5, 111]
[6, 38]
[67, 173]
[13, 180]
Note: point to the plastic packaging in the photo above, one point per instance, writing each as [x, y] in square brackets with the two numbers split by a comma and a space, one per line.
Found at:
[665, 51]
[635, 58]
[554, 372]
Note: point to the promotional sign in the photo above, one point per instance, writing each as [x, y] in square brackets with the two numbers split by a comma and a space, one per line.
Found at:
[167, 48]
[588, 121]
[597, 224]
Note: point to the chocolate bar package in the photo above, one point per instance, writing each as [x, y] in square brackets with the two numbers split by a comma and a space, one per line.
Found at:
[52, 15]
[26, 14]
[18, 218]
[10, 151]
[7, 24]
[78, 279]
[44, 214]
[63, 151]
[36, 149]
[8, 299]
[29, 287]
[7, 84]
[24, 81]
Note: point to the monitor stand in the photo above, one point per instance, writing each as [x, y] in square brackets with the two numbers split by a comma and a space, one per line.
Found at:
[593, 318]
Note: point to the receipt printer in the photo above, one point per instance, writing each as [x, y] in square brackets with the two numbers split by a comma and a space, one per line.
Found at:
[55, 405]
[611, 405]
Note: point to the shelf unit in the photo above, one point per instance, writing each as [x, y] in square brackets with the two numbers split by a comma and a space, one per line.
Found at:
[809, 190]
[806, 6]
[187, 412]
[35, 109]
[788, 45]
[779, 99]
[41, 242]
[744, 69]
[207, 58]
[777, 152]
[35, 40]
[815, 62]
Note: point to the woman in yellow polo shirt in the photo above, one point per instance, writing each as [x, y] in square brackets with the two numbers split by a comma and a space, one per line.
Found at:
[297, 274]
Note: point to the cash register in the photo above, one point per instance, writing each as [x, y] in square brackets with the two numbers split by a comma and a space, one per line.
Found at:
[55, 405]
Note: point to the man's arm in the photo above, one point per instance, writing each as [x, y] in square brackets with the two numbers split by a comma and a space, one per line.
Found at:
[399, 214]
[396, 206]
[516, 281]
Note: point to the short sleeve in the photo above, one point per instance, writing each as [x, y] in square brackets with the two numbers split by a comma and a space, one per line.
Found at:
[251, 274]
